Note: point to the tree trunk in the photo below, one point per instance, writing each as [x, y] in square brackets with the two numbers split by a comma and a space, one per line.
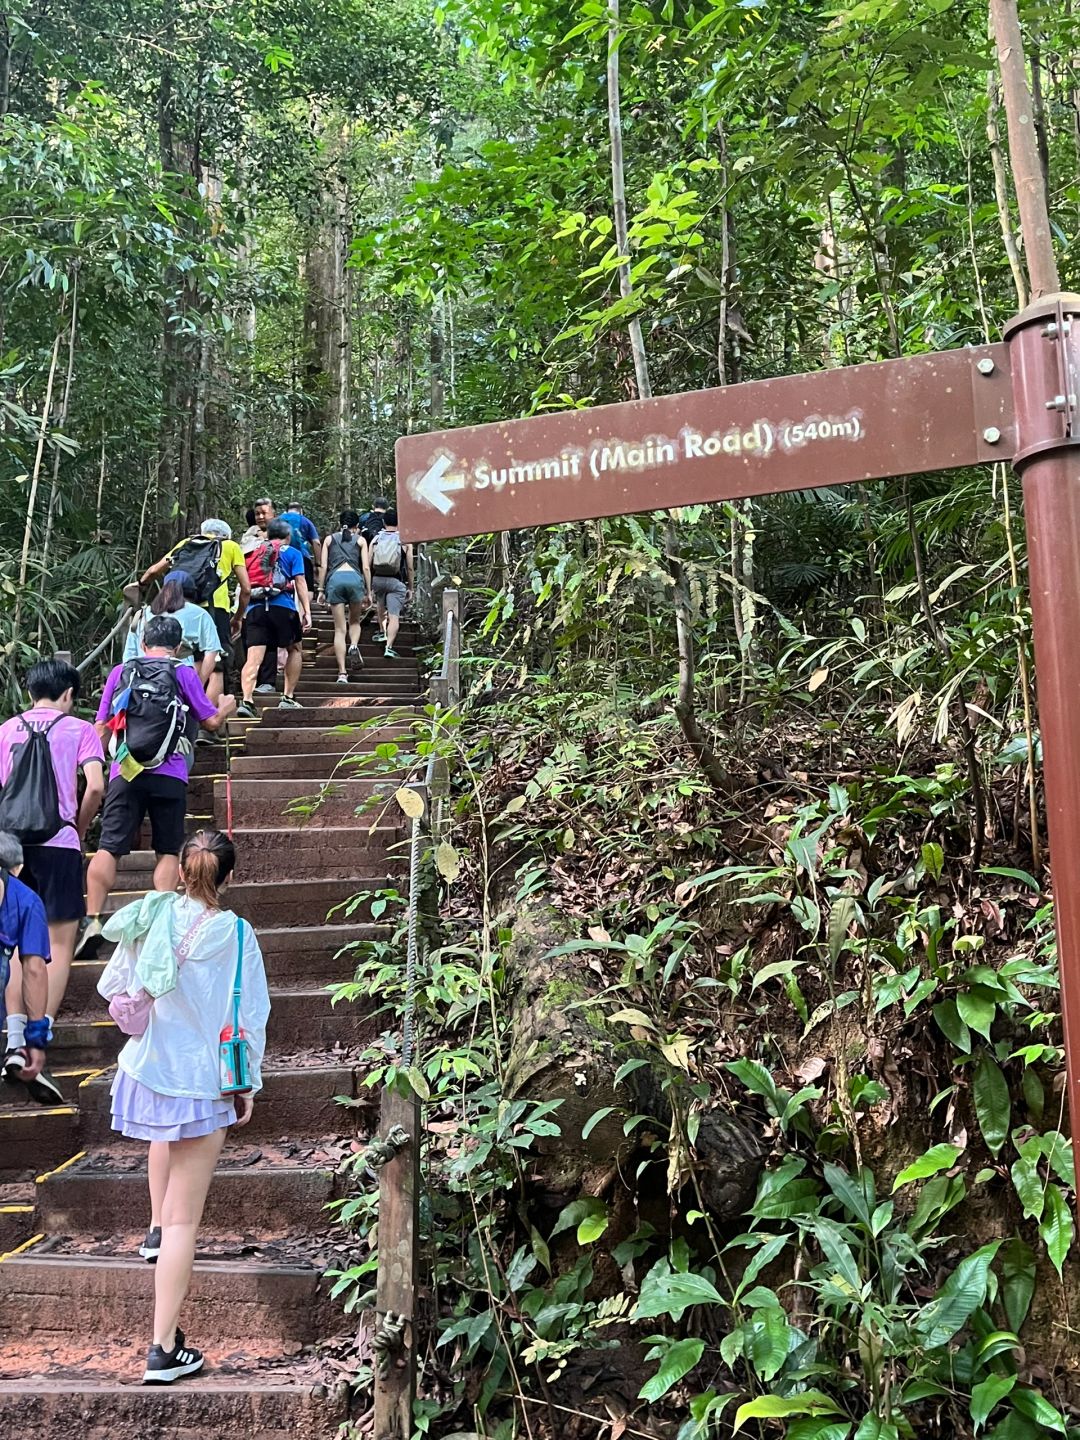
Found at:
[1024, 151]
[1001, 191]
[685, 708]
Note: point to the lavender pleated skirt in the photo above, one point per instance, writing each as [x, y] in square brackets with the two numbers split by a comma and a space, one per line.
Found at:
[142, 1114]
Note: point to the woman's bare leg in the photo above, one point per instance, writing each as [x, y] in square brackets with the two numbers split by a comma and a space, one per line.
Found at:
[157, 1167]
[191, 1168]
[340, 612]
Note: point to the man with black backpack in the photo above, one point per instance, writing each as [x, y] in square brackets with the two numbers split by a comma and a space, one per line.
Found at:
[43, 752]
[211, 560]
[150, 713]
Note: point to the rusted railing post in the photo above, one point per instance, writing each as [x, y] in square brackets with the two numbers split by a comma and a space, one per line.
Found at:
[451, 604]
[398, 1273]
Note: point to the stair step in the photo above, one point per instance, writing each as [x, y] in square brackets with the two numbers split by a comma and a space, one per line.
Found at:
[271, 739]
[291, 855]
[99, 1195]
[346, 709]
[262, 1399]
[32, 1137]
[285, 804]
[271, 906]
[110, 1297]
[342, 763]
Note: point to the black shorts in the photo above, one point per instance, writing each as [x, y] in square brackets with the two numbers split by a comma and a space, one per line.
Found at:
[275, 626]
[309, 573]
[223, 624]
[127, 802]
[55, 873]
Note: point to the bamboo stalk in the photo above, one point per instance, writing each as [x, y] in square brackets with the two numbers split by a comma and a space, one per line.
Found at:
[54, 486]
[35, 477]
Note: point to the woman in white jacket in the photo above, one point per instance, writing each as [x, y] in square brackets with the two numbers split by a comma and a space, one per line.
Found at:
[185, 950]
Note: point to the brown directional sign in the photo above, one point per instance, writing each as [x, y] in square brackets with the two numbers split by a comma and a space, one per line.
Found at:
[861, 422]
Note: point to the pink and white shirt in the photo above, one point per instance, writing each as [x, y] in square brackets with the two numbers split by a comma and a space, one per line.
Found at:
[73, 743]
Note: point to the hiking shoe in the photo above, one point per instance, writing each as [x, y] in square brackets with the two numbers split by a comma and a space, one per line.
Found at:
[355, 659]
[44, 1089]
[203, 738]
[266, 689]
[89, 941]
[15, 1062]
[247, 710]
[342, 680]
[150, 1249]
[289, 702]
[164, 1369]
[390, 654]
[379, 637]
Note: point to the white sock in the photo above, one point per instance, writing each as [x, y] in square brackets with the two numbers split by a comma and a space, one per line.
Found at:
[16, 1031]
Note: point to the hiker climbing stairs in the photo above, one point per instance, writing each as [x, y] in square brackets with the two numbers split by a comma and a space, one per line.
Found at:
[75, 1297]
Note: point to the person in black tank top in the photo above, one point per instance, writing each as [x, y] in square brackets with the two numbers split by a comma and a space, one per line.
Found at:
[341, 580]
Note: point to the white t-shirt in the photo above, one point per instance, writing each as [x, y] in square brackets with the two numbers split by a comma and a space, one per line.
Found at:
[178, 1054]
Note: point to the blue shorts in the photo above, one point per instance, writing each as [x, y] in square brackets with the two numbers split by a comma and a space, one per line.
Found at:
[345, 587]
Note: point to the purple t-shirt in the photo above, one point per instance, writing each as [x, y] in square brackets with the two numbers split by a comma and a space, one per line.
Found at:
[193, 696]
[73, 743]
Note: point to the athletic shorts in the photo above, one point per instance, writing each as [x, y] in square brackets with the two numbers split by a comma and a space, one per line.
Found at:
[391, 591]
[128, 802]
[345, 587]
[55, 874]
[309, 573]
[223, 625]
[275, 626]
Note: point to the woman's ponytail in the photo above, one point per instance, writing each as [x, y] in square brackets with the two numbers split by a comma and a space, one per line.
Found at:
[206, 862]
[350, 520]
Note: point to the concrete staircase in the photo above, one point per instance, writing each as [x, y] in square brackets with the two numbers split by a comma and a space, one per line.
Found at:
[75, 1298]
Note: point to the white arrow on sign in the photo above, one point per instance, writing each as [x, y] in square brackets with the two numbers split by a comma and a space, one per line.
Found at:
[437, 485]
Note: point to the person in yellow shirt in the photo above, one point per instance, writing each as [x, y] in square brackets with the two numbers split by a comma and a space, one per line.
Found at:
[213, 549]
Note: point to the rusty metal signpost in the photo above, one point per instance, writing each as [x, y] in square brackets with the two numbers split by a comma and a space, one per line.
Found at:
[1014, 401]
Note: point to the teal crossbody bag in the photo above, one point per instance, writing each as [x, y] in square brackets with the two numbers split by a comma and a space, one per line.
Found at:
[233, 1053]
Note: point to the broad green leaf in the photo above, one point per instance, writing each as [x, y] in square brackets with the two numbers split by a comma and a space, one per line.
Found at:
[977, 1008]
[992, 1104]
[986, 1395]
[1029, 1187]
[678, 1360]
[767, 1342]
[572, 1215]
[819, 1430]
[595, 1118]
[872, 1427]
[958, 1299]
[1057, 1227]
[666, 1293]
[855, 1193]
[1035, 1407]
[591, 1228]
[937, 1158]
[761, 1257]
[778, 1407]
[947, 1019]
[837, 1251]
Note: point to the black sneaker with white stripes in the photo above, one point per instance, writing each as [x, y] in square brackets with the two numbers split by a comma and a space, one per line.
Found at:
[163, 1368]
[150, 1249]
